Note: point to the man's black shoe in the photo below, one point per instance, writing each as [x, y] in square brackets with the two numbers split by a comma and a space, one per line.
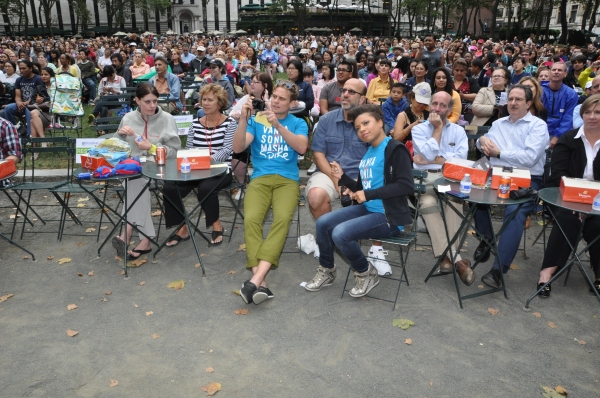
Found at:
[492, 278]
[247, 290]
[479, 256]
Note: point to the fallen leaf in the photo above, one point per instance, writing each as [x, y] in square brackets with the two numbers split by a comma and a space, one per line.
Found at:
[50, 258]
[12, 217]
[156, 213]
[138, 262]
[209, 370]
[142, 283]
[90, 230]
[118, 258]
[104, 299]
[471, 232]
[480, 286]
[80, 244]
[72, 333]
[537, 315]
[552, 325]
[514, 267]
[241, 247]
[236, 292]
[122, 272]
[403, 323]
[91, 273]
[211, 389]
[64, 260]
[560, 390]
[431, 384]
[552, 393]
[83, 199]
[113, 383]
[104, 227]
[408, 341]
[6, 297]
[492, 311]
[582, 342]
[148, 313]
[210, 350]
[243, 311]
[231, 272]
[71, 307]
[108, 293]
[81, 205]
[176, 285]
[202, 254]
[155, 336]
[197, 265]
[25, 257]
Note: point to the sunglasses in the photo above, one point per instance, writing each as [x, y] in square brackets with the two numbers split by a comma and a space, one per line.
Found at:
[350, 91]
[285, 83]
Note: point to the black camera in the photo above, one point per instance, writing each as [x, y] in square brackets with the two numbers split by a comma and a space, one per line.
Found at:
[345, 199]
[258, 105]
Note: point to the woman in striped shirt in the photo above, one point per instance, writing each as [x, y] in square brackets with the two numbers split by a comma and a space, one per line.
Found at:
[213, 131]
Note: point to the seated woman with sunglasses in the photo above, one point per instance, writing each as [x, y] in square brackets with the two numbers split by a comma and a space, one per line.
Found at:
[275, 138]
[384, 184]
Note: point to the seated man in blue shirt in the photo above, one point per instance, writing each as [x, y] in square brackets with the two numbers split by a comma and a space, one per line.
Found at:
[519, 140]
[167, 83]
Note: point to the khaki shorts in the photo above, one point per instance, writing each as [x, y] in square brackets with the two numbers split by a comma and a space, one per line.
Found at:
[321, 180]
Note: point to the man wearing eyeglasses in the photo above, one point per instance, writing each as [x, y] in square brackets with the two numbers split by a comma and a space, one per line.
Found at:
[520, 141]
[331, 94]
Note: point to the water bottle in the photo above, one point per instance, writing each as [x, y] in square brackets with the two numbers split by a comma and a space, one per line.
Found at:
[465, 184]
[596, 204]
[185, 165]
[138, 138]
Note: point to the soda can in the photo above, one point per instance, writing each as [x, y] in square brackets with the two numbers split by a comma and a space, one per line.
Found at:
[84, 176]
[504, 187]
[161, 156]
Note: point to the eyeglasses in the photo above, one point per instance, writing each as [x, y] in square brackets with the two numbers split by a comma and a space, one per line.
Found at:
[350, 91]
[285, 83]
[344, 70]
[291, 68]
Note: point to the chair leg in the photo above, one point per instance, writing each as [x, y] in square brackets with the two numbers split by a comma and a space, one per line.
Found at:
[346, 283]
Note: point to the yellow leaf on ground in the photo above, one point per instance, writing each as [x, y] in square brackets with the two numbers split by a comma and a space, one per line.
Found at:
[72, 333]
[560, 390]
[202, 254]
[83, 199]
[64, 260]
[71, 307]
[80, 244]
[108, 293]
[138, 262]
[148, 313]
[408, 341]
[91, 273]
[243, 311]
[537, 315]
[582, 342]
[552, 325]
[231, 272]
[514, 267]
[241, 247]
[81, 205]
[6, 297]
[155, 336]
[104, 227]
[211, 389]
[492, 311]
[209, 370]
[197, 265]
[104, 299]
[50, 258]
[142, 283]
[236, 292]
[156, 213]
[90, 230]
[403, 323]
[25, 257]
[176, 285]
[113, 383]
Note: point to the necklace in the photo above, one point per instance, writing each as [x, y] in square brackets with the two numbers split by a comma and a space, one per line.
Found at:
[419, 116]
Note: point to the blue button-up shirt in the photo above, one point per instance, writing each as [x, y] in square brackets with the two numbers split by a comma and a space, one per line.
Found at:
[522, 144]
[453, 143]
[338, 141]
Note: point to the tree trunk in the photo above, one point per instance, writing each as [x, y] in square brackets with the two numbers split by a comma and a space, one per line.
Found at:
[563, 22]
[495, 5]
[508, 25]
[593, 16]
[519, 19]
[586, 14]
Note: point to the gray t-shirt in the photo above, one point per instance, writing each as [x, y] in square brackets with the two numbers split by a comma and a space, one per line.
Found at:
[332, 92]
[433, 59]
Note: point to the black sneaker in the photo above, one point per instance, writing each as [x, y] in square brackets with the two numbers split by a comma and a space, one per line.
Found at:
[247, 290]
[261, 294]
[492, 278]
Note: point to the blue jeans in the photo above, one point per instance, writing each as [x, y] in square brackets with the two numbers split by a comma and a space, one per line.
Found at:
[344, 227]
[511, 237]
[90, 83]
[12, 114]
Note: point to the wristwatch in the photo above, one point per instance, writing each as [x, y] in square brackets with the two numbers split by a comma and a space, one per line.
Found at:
[498, 155]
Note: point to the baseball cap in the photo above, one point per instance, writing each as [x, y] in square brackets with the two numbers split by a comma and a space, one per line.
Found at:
[217, 62]
[200, 48]
[588, 85]
[422, 93]
[480, 41]
[133, 44]
[304, 51]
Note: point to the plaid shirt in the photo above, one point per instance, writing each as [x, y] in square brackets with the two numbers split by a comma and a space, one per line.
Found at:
[10, 144]
[530, 69]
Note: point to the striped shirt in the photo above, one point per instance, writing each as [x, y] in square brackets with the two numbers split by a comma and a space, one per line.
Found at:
[219, 140]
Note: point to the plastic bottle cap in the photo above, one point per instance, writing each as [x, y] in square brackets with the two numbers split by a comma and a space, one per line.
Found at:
[467, 175]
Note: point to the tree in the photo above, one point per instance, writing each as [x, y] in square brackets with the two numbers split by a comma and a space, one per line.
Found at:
[148, 7]
[45, 13]
[82, 12]
[16, 10]
[117, 12]
[412, 8]
[562, 9]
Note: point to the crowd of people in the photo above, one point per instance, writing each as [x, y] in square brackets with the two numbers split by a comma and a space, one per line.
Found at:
[371, 109]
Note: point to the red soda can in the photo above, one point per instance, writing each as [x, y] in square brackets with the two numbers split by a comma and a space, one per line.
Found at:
[504, 187]
[161, 156]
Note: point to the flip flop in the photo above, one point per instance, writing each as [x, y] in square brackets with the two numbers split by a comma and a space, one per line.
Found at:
[177, 239]
[119, 246]
[214, 236]
[140, 252]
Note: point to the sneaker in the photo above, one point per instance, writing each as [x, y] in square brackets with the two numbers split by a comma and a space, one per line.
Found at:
[324, 277]
[365, 281]
[377, 255]
[247, 290]
[312, 169]
[261, 294]
[91, 118]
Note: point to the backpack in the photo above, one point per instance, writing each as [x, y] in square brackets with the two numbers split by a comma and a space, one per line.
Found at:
[65, 95]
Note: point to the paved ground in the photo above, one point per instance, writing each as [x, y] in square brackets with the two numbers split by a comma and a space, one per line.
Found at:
[158, 342]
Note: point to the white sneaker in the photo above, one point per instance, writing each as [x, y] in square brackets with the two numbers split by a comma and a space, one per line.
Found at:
[312, 169]
[378, 260]
[238, 195]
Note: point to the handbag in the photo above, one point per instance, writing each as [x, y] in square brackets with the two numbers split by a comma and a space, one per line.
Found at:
[43, 107]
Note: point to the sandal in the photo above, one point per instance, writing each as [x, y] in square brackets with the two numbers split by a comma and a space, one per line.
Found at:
[140, 253]
[214, 236]
[177, 239]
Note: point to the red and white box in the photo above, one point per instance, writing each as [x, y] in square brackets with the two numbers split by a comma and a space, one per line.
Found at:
[199, 158]
[93, 162]
[519, 178]
[578, 190]
[7, 167]
[456, 169]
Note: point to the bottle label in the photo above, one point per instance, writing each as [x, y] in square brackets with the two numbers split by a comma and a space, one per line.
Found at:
[465, 186]
[504, 188]
[185, 168]
[596, 205]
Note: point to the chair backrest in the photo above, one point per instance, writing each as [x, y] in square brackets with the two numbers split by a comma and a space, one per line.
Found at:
[114, 100]
[108, 124]
[63, 147]
[420, 188]
[475, 132]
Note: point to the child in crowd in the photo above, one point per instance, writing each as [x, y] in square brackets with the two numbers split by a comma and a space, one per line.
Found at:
[395, 104]
[309, 76]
